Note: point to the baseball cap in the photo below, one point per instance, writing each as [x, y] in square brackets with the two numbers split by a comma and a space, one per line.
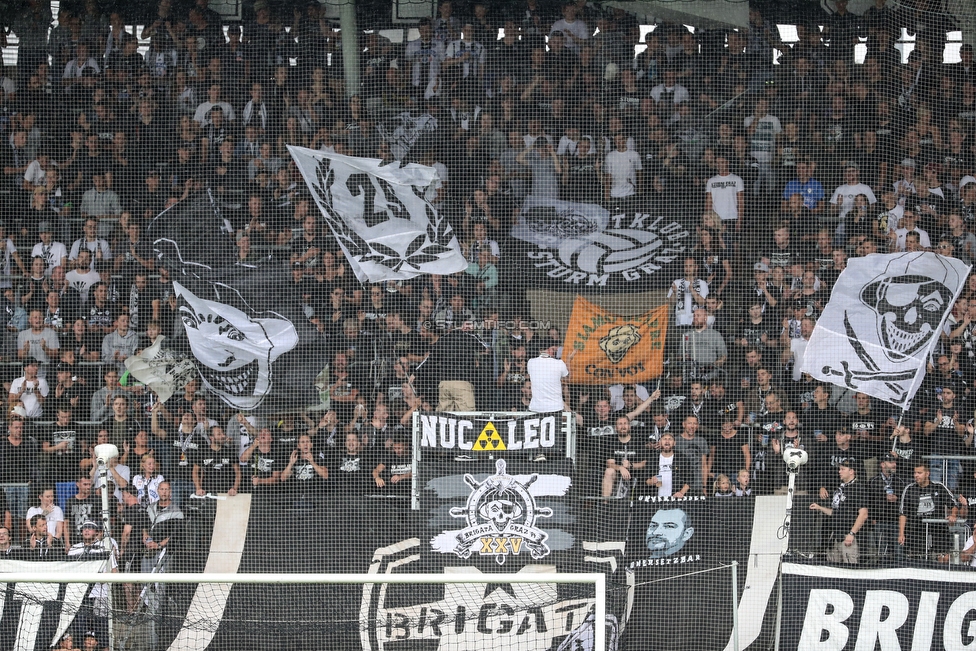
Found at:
[89, 524]
[848, 462]
[760, 266]
[851, 165]
[44, 227]
[966, 180]
[908, 162]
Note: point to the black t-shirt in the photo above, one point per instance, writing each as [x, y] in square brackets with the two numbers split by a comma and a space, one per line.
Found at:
[304, 482]
[728, 454]
[216, 466]
[352, 472]
[917, 504]
[265, 464]
[828, 456]
[846, 501]
[633, 450]
[396, 465]
[824, 421]
[63, 465]
[136, 517]
[77, 511]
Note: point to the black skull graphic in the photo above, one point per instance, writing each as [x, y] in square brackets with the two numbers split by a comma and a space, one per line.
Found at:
[910, 308]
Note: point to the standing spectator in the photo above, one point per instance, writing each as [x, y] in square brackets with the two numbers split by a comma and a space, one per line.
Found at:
[83, 277]
[623, 173]
[884, 491]
[848, 512]
[50, 511]
[842, 201]
[424, 56]
[541, 159]
[668, 479]
[89, 240]
[17, 467]
[921, 500]
[693, 450]
[688, 294]
[724, 193]
[623, 457]
[549, 376]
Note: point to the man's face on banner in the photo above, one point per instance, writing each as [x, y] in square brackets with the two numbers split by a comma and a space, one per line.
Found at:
[234, 351]
[668, 532]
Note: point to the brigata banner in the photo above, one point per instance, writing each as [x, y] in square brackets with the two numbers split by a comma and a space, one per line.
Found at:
[840, 609]
[581, 247]
[519, 436]
[611, 348]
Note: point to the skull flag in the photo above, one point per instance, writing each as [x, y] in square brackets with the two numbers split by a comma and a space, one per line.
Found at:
[380, 215]
[241, 325]
[884, 316]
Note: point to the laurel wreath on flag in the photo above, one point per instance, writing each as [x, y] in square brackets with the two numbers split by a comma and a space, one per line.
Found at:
[424, 248]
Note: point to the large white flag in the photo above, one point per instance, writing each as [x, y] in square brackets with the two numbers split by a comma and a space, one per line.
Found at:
[378, 212]
[884, 316]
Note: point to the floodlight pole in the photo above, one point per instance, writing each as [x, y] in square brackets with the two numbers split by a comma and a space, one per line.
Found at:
[790, 488]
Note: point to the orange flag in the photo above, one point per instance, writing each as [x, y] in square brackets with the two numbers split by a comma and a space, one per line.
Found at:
[610, 348]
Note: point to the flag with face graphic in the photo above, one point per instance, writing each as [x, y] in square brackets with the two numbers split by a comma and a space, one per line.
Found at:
[884, 316]
[252, 344]
[611, 348]
[380, 215]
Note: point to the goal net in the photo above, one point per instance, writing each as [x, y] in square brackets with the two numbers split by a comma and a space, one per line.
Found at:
[532, 610]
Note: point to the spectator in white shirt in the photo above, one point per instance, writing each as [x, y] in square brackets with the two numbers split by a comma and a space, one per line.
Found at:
[575, 31]
[842, 201]
[906, 226]
[725, 193]
[53, 253]
[623, 170]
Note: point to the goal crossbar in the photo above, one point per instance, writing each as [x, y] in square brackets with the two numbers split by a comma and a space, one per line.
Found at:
[598, 580]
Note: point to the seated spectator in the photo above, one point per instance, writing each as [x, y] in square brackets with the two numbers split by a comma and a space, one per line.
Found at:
[119, 344]
[40, 542]
[82, 277]
[29, 390]
[97, 247]
[38, 342]
[53, 253]
[103, 399]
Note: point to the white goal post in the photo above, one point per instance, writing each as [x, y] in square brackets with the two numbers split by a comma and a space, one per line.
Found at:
[598, 580]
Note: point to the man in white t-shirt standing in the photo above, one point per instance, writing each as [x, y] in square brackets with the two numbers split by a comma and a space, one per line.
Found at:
[763, 130]
[725, 193]
[842, 200]
[623, 171]
[666, 480]
[549, 376]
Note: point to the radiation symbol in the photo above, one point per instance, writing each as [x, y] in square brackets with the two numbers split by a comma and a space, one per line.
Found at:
[489, 439]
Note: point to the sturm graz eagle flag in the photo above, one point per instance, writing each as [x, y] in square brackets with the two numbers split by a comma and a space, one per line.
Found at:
[884, 316]
[241, 324]
[582, 247]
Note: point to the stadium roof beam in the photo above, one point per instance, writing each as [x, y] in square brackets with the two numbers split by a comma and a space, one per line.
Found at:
[707, 14]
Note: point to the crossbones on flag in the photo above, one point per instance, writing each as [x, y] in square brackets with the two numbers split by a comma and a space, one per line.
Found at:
[240, 326]
[380, 215]
[885, 314]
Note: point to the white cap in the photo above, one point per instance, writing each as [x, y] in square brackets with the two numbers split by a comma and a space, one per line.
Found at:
[966, 180]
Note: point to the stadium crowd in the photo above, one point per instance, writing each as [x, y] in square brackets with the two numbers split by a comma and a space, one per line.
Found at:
[783, 172]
